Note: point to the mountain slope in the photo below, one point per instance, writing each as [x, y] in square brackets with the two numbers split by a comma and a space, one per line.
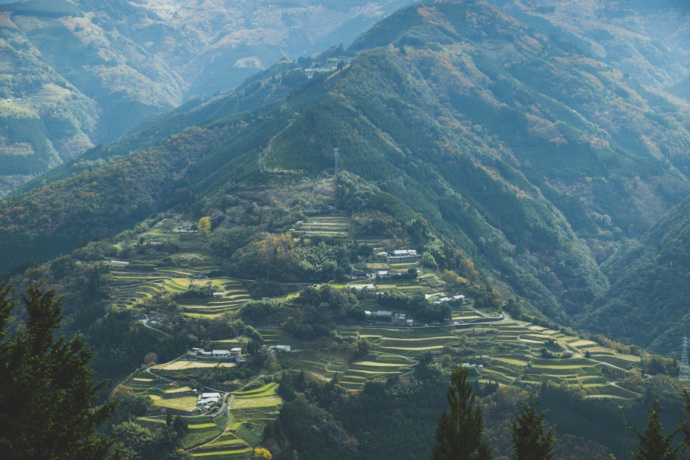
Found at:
[534, 159]
[76, 74]
[650, 284]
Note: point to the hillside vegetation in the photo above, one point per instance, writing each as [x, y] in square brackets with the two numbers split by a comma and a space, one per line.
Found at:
[504, 199]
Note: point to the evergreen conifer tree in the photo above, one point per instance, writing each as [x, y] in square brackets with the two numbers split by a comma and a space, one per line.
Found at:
[286, 389]
[46, 392]
[653, 444]
[531, 440]
[459, 433]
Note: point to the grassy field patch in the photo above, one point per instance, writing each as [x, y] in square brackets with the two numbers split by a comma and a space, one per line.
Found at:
[187, 403]
[180, 365]
[178, 390]
[260, 401]
[202, 426]
[510, 361]
[583, 343]
[377, 364]
[268, 389]
[434, 347]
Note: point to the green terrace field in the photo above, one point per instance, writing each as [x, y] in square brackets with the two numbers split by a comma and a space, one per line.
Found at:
[331, 226]
[165, 393]
[227, 446]
[249, 413]
[144, 383]
[129, 286]
[203, 430]
[234, 295]
[252, 409]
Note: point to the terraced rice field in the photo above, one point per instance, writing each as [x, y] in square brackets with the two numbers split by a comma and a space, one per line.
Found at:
[250, 412]
[335, 227]
[234, 295]
[509, 350]
[227, 446]
[142, 382]
[517, 357]
[130, 286]
[182, 364]
[186, 403]
[203, 430]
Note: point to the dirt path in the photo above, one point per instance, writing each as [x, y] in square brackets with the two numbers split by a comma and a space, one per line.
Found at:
[143, 322]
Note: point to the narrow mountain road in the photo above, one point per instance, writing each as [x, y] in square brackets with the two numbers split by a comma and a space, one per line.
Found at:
[226, 408]
[143, 322]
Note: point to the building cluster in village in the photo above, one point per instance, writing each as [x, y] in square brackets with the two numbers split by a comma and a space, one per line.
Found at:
[384, 315]
[206, 400]
[232, 355]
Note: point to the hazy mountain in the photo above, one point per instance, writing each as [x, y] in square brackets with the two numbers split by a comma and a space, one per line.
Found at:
[79, 73]
[648, 40]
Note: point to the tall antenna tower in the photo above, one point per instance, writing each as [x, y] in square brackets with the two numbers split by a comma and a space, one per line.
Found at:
[684, 373]
[336, 152]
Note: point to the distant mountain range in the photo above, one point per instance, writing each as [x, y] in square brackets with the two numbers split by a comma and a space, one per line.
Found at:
[74, 74]
[551, 163]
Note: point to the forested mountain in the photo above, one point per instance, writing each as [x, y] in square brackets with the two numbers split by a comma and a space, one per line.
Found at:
[79, 73]
[536, 159]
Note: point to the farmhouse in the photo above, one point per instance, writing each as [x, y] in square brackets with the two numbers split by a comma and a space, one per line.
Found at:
[208, 398]
[359, 287]
[217, 295]
[119, 263]
[281, 348]
[220, 354]
[403, 256]
[235, 352]
[442, 300]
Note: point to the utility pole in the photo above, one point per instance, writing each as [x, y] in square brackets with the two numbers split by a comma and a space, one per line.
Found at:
[336, 152]
[684, 372]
